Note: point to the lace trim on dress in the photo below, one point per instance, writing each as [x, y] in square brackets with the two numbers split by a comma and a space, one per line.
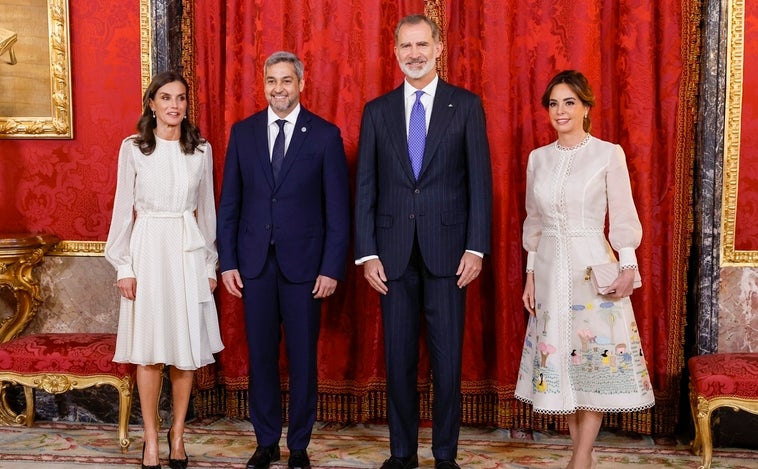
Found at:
[576, 147]
[537, 410]
[572, 232]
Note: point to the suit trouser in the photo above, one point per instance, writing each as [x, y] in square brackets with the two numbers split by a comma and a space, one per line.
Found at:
[272, 303]
[415, 293]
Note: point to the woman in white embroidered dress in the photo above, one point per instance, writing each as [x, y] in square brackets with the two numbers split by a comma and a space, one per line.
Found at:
[582, 354]
[162, 243]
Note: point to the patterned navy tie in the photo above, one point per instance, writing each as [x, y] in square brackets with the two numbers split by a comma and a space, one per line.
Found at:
[277, 154]
[417, 134]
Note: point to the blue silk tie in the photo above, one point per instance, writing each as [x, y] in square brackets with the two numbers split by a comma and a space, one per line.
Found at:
[417, 134]
[277, 153]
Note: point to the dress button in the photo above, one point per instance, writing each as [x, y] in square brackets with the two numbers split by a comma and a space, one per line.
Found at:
[411, 216]
[268, 227]
[417, 191]
[273, 200]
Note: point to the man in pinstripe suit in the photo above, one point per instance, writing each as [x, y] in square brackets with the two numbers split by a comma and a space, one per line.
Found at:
[421, 232]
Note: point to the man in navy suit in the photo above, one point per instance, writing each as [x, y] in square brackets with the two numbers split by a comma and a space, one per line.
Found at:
[421, 232]
[283, 233]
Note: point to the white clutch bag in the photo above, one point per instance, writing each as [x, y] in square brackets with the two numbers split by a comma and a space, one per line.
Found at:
[602, 275]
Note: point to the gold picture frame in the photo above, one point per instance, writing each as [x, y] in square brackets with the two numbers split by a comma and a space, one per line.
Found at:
[56, 121]
[735, 55]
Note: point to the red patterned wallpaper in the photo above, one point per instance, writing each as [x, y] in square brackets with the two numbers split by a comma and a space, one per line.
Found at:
[746, 228]
[66, 187]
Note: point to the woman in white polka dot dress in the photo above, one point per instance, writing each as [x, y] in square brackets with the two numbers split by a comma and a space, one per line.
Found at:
[162, 244]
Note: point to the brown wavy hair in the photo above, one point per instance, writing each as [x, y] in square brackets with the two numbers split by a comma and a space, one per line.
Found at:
[579, 84]
[190, 137]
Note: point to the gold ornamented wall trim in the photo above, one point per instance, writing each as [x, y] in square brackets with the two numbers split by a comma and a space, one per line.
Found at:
[730, 256]
[78, 248]
[59, 122]
[146, 41]
[435, 9]
[188, 55]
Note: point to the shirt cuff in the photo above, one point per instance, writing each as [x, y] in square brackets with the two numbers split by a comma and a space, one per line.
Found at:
[363, 259]
[627, 257]
[125, 271]
[530, 258]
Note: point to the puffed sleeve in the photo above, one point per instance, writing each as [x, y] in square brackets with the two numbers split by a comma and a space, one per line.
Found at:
[533, 222]
[206, 211]
[117, 246]
[625, 230]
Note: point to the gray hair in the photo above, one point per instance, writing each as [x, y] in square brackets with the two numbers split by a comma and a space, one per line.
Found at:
[284, 56]
[418, 19]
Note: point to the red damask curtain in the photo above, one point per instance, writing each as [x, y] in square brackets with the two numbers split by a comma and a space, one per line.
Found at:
[640, 56]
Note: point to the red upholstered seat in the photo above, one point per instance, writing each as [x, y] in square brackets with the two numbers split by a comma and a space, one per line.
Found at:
[81, 354]
[57, 363]
[720, 380]
[725, 374]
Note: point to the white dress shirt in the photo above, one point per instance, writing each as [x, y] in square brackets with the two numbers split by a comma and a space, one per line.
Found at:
[273, 128]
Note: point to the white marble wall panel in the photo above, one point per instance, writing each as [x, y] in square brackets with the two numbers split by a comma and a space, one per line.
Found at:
[738, 310]
[78, 295]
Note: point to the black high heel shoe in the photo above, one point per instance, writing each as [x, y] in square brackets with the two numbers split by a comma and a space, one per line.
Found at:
[175, 463]
[143, 460]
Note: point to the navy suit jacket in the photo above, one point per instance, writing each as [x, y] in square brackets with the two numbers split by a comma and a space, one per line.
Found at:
[449, 207]
[306, 213]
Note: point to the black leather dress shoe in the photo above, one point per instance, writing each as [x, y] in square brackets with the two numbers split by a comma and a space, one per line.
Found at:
[263, 457]
[445, 464]
[395, 462]
[299, 459]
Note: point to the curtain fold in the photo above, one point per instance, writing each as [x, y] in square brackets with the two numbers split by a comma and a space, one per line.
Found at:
[641, 59]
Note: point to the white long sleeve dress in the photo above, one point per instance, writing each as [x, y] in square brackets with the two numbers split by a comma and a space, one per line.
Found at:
[163, 233]
[581, 351]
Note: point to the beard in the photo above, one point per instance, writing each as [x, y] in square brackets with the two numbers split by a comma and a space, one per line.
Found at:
[281, 105]
[418, 73]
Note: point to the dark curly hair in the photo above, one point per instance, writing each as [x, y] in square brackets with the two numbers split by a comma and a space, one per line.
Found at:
[190, 137]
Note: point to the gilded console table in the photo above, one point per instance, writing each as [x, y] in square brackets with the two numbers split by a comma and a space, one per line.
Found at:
[19, 253]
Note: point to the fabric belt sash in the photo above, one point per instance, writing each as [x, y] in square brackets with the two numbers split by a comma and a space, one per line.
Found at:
[196, 288]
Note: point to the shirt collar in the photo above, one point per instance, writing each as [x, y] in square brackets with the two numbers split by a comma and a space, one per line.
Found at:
[429, 89]
[291, 117]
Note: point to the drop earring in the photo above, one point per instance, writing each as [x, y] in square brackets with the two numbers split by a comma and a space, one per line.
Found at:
[154, 115]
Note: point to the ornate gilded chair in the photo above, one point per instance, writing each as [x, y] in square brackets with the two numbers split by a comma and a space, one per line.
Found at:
[720, 380]
[55, 363]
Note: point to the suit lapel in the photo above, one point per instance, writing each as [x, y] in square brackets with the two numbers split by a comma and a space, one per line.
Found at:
[396, 127]
[443, 111]
[260, 145]
[299, 135]
[442, 114]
